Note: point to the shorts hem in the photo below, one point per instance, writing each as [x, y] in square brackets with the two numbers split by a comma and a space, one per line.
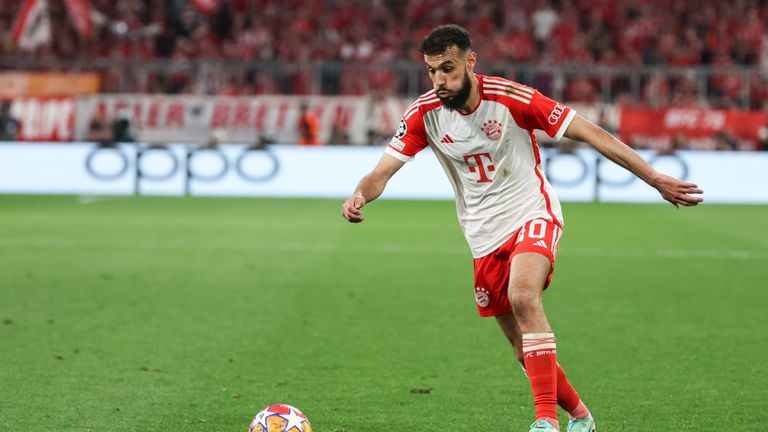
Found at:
[548, 254]
[487, 314]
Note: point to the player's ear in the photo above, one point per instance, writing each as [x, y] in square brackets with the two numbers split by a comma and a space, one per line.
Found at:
[471, 60]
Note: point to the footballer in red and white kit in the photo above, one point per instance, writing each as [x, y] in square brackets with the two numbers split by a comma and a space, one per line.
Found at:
[481, 128]
[490, 156]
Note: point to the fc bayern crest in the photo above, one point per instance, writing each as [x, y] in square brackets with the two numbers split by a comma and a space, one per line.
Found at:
[481, 297]
[492, 129]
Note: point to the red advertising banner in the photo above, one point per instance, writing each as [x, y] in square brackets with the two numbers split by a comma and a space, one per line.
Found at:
[352, 120]
[48, 83]
[45, 118]
[194, 119]
[693, 123]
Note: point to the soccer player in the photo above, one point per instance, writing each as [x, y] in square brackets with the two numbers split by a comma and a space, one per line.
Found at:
[481, 130]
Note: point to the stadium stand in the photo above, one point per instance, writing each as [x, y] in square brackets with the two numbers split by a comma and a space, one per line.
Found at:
[711, 52]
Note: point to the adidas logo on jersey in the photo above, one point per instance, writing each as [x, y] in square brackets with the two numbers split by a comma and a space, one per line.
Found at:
[541, 243]
[447, 139]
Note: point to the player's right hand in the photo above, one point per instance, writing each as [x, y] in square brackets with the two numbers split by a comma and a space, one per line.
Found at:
[351, 208]
[678, 192]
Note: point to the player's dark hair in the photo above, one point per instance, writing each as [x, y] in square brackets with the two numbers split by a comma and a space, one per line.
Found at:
[445, 36]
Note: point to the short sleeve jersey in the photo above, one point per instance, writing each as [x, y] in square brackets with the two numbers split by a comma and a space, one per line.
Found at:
[490, 156]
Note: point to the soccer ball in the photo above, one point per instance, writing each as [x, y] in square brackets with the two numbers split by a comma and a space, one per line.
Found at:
[280, 418]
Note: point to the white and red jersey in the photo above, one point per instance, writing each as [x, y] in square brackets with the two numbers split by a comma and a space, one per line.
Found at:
[490, 156]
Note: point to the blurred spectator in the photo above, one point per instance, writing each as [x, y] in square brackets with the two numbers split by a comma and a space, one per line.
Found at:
[605, 123]
[260, 143]
[99, 130]
[762, 134]
[724, 141]
[107, 133]
[679, 142]
[544, 20]
[214, 139]
[338, 135]
[122, 129]
[308, 127]
[10, 127]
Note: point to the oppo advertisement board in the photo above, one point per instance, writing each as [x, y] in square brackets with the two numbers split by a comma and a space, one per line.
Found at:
[333, 172]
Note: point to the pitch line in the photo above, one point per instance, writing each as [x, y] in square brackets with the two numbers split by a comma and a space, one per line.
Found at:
[95, 199]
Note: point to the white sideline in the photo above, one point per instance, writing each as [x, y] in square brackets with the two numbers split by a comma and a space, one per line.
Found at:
[387, 248]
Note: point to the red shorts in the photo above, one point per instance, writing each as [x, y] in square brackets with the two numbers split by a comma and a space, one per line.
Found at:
[492, 271]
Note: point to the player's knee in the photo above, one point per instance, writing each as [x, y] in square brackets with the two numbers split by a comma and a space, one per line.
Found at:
[524, 303]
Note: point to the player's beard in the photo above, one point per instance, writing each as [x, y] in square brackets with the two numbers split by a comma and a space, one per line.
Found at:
[460, 98]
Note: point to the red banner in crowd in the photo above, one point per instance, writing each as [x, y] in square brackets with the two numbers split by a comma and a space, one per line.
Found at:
[693, 123]
[32, 27]
[80, 13]
[45, 118]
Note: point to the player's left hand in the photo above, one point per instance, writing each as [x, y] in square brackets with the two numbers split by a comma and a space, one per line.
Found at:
[678, 192]
[351, 208]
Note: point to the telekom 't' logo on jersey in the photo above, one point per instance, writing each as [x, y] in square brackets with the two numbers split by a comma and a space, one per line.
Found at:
[478, 165]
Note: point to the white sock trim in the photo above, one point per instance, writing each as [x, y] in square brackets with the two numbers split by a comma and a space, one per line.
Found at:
[541, 346]
[537, 335]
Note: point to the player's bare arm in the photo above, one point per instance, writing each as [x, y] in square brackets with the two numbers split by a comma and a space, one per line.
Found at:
[671, 189]
[370, 187]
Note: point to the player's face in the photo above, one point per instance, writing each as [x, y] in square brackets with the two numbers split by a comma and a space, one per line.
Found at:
[449, 73]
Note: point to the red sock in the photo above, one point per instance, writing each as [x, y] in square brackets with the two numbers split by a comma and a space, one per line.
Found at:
[567, 397]
[540, 357]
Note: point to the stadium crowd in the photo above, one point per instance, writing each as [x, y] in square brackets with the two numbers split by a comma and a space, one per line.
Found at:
[610, 32]
[681, 53]
[597, 33]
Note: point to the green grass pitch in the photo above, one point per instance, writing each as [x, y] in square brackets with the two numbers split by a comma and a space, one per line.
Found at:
[191, 314]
